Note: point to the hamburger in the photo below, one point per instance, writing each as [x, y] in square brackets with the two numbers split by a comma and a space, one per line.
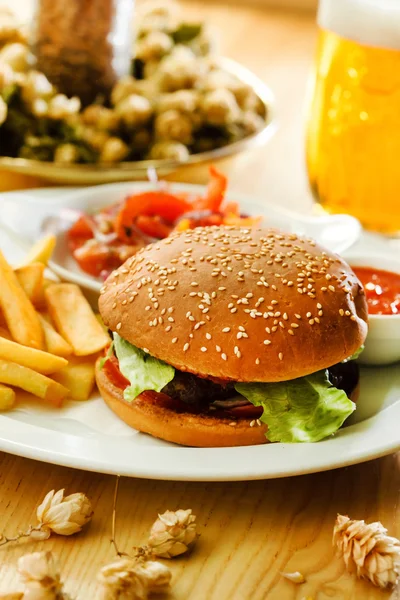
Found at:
[229, 336]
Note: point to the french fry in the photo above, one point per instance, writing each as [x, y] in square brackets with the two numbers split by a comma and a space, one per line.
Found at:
[39, 361]
[41, 251]
[74, 319]
[54, 342]
[31, 280]
[78, 378]
[18, 310]
[31, 381]
[7, 397]
[40, 303]
[4, 333]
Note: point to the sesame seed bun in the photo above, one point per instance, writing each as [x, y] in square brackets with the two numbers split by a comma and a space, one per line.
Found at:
[187, 429]
[238, 304]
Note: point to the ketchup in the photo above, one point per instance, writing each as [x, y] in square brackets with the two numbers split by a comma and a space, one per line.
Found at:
[382, 290]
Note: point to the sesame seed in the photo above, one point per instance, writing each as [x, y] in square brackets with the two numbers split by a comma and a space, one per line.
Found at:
[223, 356]
[203, 349]
[218, 348]
[171, 319]
[308, 315]
[194, 284]
[331, 287]
[290, 332]
[258, 422]
[233, 424]
[114, 305]
[174, 340]
[226, 330]
[186, 347]
[267, 342]
[118, 327]
[280, 356]
[208, 336]
[257, 361]
[252, 423]
[311, 321]
[168, 328]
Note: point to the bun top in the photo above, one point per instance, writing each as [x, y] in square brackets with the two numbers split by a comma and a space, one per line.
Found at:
[239, 304]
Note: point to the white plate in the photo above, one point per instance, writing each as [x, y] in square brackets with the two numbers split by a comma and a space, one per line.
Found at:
[29, 214]
[89, 436]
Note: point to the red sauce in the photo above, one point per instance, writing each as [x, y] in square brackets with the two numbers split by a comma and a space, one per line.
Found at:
[382, 290]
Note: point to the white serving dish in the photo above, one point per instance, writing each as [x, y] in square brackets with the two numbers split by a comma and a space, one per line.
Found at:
[382, 346]
[29, 214]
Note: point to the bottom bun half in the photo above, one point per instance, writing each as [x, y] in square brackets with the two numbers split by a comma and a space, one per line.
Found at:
[186, 429]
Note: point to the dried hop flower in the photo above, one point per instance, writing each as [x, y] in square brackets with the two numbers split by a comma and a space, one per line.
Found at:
[132, 579]
[367, 549]
[155, 576]
[173, 533]
[64, 516]
[40, 575]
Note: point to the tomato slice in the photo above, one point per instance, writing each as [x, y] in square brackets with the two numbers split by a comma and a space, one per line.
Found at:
[95, 258]
[248, 411]
[79, 233]
[111, 368]
[215, 192]
[153, 226]
[150, 204]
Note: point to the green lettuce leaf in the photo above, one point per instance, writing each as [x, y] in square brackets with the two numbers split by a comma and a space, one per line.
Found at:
[355, 355]
[108, 355]
[142, 370]
[307, 409]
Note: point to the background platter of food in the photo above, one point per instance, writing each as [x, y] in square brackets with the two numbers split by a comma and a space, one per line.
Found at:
[183, 104]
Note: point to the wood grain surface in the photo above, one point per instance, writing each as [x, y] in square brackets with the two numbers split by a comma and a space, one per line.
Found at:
[253, 531]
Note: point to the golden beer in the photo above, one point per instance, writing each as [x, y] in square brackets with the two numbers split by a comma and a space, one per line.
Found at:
[353, 127]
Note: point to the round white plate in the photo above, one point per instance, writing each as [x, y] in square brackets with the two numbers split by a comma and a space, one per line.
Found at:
[87, 435]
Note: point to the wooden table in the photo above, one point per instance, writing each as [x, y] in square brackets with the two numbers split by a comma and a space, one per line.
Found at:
[251, 532]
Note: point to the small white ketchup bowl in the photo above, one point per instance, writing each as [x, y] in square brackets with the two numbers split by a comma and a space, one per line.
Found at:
[382, 346]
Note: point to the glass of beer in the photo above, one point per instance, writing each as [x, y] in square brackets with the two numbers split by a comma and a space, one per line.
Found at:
[353, 125]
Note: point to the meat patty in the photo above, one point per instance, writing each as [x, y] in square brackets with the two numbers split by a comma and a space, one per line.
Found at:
[200, 393]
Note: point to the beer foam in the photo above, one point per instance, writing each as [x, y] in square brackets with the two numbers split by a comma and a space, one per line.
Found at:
[368, 22]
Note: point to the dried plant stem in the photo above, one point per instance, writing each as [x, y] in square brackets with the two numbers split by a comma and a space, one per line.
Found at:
[6, 540]
[114, 520]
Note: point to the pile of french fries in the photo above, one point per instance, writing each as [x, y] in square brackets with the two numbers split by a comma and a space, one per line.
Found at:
[50, 337]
